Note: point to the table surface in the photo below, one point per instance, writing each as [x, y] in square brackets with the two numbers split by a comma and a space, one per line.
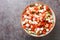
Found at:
[10, 13]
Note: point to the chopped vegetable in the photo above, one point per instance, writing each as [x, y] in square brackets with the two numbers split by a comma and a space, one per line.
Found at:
[37, 19]
[44, 31]
[33, 12]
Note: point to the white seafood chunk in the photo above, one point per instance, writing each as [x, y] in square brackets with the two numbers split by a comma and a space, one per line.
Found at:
[27, 25]
[41, 28]
[47, 30]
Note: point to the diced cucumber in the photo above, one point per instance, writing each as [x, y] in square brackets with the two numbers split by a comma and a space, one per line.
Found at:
[48, 13]
[47, 18]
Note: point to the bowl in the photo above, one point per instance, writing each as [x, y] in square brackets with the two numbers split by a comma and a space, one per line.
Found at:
[38, 19]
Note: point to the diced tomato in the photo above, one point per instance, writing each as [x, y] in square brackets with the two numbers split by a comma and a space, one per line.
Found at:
[39, 23]
[37, 19]
[24, 26]
[44, 14]
[30, 18]
[47, 7]
[50, 12]
[35, 8]
[50, 25]
[39, 26]
[44, 31]
[33, 27]
[42, 23]
[47, 25]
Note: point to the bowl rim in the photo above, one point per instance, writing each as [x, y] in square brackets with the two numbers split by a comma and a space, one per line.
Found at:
[42, 34]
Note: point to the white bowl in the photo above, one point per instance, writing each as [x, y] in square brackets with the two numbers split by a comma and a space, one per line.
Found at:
[50, 29]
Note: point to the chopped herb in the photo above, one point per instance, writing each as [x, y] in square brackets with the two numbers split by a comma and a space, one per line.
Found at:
[37, 13]
[41, 7]
[33, 12]
[32, 20]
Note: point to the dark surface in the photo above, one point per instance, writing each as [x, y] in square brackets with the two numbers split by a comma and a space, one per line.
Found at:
[10, 12]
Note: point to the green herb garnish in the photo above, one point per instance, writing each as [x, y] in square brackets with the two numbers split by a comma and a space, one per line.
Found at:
[37, 13]
[33, 12]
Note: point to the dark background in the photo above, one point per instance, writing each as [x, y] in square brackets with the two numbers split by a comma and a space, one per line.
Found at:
[10, 13]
